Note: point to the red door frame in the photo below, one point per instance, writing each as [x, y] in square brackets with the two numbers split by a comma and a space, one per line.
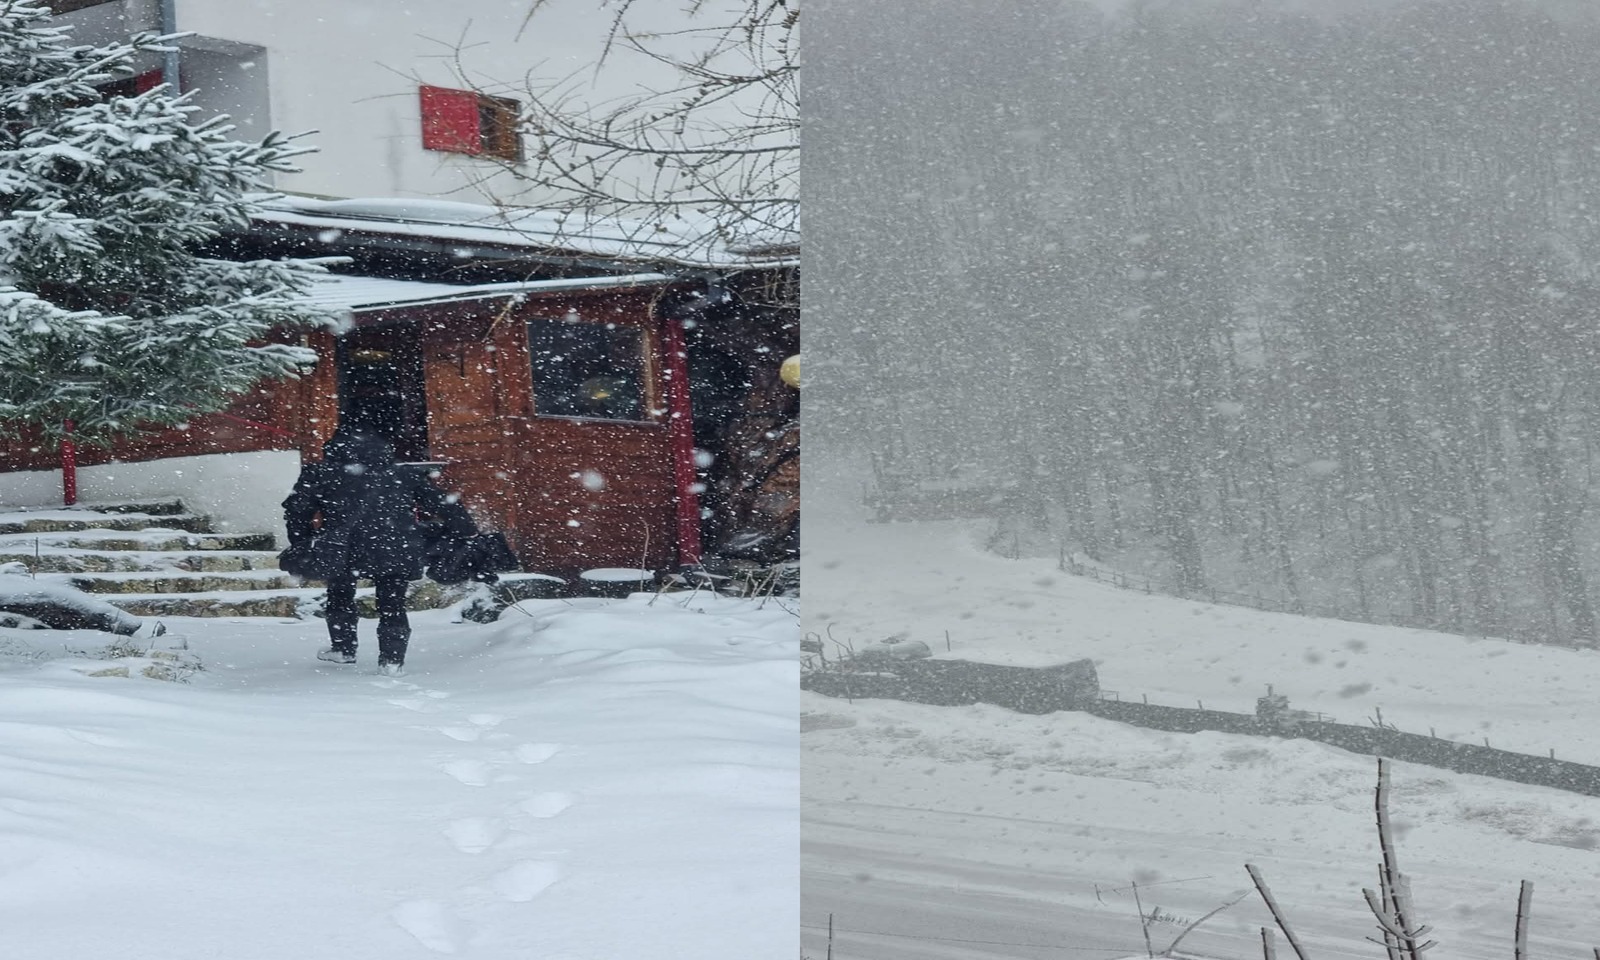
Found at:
[680, 425]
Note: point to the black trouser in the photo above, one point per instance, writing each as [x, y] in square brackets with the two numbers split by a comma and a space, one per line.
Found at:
[393, 627]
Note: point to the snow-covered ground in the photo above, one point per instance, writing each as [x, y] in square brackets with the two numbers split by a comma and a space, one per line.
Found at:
[583, 780]
[976, 832]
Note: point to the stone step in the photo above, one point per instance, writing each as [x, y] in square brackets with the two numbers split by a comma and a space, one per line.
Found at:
[164, 508]
[287, 604]
[62, 521]
[101, 539]
[282, 604]
[152, 557]
[56, 560]
[174, 582]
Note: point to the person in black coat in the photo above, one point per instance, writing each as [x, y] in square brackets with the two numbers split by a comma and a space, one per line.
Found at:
[357, 482]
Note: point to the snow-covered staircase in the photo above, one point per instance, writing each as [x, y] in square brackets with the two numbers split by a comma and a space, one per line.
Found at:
[153, 558]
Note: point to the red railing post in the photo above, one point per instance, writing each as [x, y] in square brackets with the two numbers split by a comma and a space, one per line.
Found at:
[69, 465]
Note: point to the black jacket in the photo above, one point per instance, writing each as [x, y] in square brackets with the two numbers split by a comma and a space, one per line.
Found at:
[358, 480]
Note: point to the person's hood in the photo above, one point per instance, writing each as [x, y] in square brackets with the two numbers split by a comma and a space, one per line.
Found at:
[367, 449]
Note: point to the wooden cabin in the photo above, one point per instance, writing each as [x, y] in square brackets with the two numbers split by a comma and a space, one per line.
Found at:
[550, 410]
[566, 408]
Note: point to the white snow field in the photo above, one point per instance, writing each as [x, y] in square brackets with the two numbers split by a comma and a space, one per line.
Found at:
[975, 832]
[582, 780]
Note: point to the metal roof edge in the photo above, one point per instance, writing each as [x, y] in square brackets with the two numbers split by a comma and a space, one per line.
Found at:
[649, 251]
[492, 291]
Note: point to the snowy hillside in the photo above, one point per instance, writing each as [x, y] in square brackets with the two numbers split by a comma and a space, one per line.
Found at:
[583, 779]
[976, 832]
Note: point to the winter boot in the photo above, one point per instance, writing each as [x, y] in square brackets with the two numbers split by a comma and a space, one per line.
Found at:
[392, 668]
[394, 633]
[337, 655]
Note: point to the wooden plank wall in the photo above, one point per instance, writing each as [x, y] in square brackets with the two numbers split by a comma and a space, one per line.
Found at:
[300, 412]
[532, 476]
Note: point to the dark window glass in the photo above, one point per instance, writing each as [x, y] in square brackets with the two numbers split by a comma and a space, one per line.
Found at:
[497, 127]
[587, 369]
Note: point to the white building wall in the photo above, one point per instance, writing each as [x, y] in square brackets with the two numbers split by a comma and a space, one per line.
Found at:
[351, 68]
[224, 76]
[108, 22]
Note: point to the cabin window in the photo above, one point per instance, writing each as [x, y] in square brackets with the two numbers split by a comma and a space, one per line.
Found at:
[585, 369]
[464, 121]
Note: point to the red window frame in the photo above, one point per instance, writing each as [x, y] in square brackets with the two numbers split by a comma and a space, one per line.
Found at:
[465, 121]
[450, 120]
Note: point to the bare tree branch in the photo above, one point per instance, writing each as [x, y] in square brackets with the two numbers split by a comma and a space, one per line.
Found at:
[1396, 889]
[1277, 914]
[711, 158]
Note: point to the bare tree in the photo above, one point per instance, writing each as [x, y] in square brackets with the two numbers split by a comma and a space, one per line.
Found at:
[711, 156]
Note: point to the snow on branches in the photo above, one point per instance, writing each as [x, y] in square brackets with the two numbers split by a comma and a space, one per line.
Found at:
[108, 318]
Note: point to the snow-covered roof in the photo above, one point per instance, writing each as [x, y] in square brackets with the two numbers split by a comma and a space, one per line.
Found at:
[374, 293]
[613, 238]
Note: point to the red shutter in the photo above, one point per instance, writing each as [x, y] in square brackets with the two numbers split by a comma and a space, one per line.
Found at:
[450, 120]
[145, 82]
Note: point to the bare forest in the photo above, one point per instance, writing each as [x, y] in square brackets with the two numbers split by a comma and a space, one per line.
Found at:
[1293, 301]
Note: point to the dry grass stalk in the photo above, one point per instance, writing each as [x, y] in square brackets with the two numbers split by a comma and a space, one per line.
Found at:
[1524, 908]
[1277, 914]
[1396, 915]
[1144, 921]
[1383, 909]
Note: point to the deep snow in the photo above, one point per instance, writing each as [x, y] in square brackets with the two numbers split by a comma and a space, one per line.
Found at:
[583, 779]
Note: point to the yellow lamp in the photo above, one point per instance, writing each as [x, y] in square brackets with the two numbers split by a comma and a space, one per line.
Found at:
[790, 371]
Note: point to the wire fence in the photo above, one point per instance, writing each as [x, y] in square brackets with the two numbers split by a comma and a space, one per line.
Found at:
[1074, 687]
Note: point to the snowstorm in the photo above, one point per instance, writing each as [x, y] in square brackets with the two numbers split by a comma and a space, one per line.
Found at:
[1201, 402]
[399, 479]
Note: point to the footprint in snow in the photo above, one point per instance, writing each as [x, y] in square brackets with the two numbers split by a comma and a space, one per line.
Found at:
[536, 752]
[474, 834]
[473, 773]
[545, 805]
[390, 683]
[417, 705]
[429, 923]
[523, 881]
[464, 734]
[487, 719]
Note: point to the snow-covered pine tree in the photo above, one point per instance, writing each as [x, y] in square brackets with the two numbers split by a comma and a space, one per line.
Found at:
[108, 318]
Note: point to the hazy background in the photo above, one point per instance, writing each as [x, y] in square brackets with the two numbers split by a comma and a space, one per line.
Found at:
[1234, 296]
